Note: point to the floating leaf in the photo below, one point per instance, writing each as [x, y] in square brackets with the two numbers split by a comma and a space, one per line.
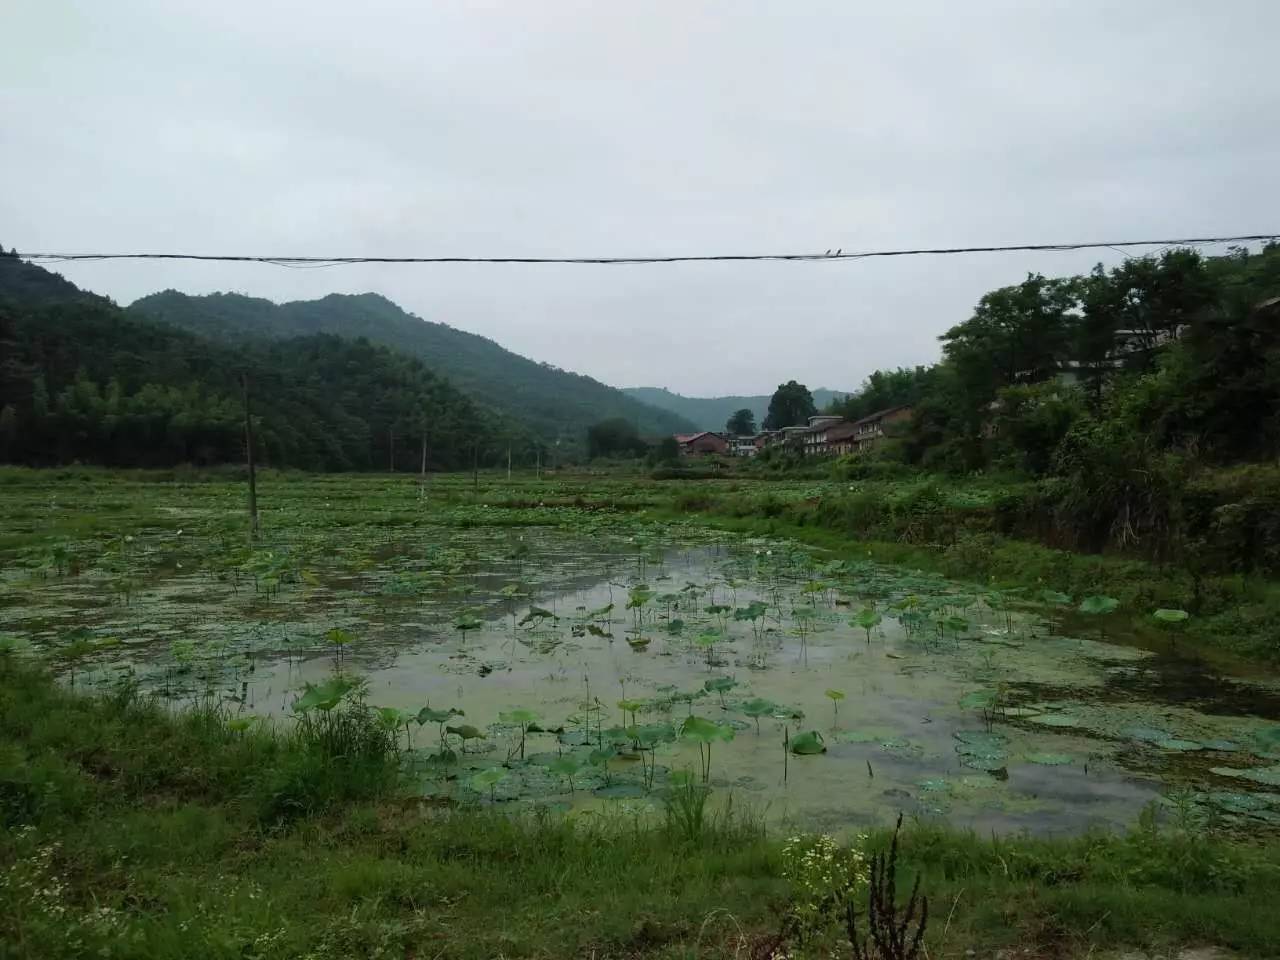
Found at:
[1051, 759]
[1147, 734]
[564, 766]
[428, 715]
[806, 744]
[1171, 616]
[703, 730]
[1056, 720]
[758, 707]
[536, 614]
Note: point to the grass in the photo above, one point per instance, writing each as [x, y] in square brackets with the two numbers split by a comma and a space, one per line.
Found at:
[132, 831]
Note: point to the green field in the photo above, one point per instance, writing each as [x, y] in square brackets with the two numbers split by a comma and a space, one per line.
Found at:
[582, 714]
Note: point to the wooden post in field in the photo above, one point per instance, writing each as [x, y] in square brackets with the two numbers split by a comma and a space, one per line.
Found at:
[248, 455]
[538, 463]
[508, 463]
[422, 482]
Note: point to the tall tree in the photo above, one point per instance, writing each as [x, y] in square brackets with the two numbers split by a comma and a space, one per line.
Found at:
[614, 437]
[791, 404]
[742, 423]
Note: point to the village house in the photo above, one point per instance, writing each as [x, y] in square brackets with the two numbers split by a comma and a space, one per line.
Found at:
[814, 438]
[870, 430]
[701, 444]
[828, 435]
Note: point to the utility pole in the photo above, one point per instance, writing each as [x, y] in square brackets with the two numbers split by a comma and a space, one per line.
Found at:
[508, 463]
[248, 453]
[538, 462]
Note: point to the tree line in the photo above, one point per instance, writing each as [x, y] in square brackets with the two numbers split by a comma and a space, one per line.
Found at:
[1177, 353]
[82, 381]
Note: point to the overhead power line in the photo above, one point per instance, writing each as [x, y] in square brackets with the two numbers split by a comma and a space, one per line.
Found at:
[839, 254]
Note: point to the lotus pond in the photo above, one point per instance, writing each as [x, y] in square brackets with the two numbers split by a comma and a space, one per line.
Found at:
[584, 658]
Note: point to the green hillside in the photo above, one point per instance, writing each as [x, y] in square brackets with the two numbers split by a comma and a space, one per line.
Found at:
[556, 404]
[82, 381]
[710, 413]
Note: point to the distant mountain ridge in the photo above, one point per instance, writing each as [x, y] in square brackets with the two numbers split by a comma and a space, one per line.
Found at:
[711, 413]
[556, 404]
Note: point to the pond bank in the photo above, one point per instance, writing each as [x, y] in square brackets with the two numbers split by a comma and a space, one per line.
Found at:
[139, 832]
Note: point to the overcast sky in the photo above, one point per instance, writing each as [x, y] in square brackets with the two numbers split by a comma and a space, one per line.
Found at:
[544, 128]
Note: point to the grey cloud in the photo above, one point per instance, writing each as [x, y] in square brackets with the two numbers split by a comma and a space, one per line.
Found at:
[556, 128]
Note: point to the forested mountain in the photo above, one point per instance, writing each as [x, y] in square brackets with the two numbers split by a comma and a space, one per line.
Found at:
[81, 380]
[711, 413]
[556, 404]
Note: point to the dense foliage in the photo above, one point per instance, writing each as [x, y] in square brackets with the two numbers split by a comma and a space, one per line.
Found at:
[742, 423]
[82, 380]
[555, 404]
[791, 404]
[1178, 352]
[615, 437]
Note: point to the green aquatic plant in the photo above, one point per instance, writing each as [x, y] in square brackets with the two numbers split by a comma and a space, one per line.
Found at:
[752, 613]
[630, 706]
[720, 686]
[835, 696]
[704, 733]
[522, 719]
[488, 779]
[392, 720]
[757, 708]
[1098, 606]
[987, 701]
[637, 599]
[808, 744]
[565, 766]
[868, 618]
[535, 616]
[600, 614]
[339, 640]
[601, 757]
[324, 696]
[467, 620]
[707, 640]
[440, 718]
[465, 732]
